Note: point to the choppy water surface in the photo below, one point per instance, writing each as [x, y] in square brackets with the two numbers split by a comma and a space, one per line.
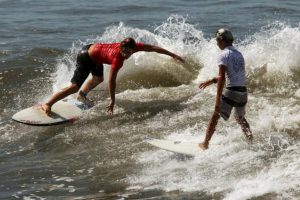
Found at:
[103, 157]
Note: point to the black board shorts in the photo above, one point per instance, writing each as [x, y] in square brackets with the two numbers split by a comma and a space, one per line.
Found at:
[84, 66]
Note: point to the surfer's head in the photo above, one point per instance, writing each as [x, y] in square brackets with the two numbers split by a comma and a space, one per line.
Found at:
[225, 35]
[128, 47]
[224, 38]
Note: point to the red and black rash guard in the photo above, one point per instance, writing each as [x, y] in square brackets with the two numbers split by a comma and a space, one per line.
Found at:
[111, 54]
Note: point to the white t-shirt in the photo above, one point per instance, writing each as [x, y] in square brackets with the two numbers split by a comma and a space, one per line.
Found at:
[235, 66]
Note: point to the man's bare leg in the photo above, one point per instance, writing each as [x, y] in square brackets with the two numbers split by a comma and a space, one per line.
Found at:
[87, 87]
[210, 130]
[245, 127]
[73, 88]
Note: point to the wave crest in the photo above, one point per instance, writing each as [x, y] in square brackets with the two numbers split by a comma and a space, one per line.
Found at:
[271, 55]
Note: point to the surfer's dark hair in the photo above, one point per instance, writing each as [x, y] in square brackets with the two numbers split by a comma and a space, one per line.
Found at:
[128, 43]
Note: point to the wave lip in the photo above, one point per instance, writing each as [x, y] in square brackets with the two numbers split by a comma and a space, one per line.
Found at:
[271, 55]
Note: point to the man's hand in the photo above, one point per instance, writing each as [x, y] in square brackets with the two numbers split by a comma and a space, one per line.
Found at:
[205, 84]
[110, 108]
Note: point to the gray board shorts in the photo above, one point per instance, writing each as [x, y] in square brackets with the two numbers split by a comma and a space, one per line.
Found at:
[234, 98]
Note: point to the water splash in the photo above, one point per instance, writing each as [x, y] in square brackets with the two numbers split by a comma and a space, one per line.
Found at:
[271, 56]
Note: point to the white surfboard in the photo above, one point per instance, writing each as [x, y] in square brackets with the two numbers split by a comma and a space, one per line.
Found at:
[61, 112]
[187, 148]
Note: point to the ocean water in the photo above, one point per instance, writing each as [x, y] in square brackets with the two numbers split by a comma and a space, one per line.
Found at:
[106, 157]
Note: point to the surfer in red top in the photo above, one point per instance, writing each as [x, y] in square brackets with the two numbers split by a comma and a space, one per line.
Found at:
[91, 59]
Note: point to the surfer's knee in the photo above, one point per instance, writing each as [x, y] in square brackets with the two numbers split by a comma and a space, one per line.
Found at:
[241, 120]
[97, 79]
[73, 88]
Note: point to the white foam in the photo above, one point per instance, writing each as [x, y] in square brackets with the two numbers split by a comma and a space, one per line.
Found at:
[226, 167]
[277, 45]
[297, 93]
[281, 177]
[67, 179]
[56, 187]
[230, 166]
[71, 188]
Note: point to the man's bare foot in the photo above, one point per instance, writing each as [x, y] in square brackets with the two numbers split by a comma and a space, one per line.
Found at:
[203, 146]
[46, 108]
[85, 100]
